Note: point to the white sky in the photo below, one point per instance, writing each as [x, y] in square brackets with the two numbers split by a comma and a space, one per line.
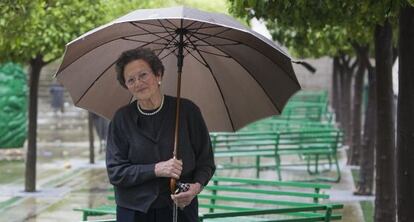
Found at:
[260, 27]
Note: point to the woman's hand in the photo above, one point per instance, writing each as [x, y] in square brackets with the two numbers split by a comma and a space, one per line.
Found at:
[183, 199]
[170, 168]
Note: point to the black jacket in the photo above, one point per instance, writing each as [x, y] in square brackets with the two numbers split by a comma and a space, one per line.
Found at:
[132, 153]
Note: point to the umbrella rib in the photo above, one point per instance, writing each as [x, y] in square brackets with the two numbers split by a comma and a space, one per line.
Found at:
[151, 42]
[123, 38]
[215, 35]
[174, 35]
[211, 53]
[146, 33]
[276, 106]
[205, 27]
[164, 48]
[224, 44]
[191, 31]
[143, 23]
[90, 86]
[176, 27]
[215, 80]
[168, 40]
[281, 67]
[190, 24]
[168, 46]
[196, 57]
[173, 51]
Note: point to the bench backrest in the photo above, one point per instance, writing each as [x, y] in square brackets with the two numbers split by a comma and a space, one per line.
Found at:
[306, 192]
[309, 138]
[279, 140]
[228, 197]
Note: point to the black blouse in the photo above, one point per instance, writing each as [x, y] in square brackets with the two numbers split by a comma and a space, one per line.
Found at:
[137, 142]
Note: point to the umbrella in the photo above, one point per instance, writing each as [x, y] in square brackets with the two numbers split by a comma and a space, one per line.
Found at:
[232, 73]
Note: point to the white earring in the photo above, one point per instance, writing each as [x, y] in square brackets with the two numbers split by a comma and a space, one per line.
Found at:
[159, 82]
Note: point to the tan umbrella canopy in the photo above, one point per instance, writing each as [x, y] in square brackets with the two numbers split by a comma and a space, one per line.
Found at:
[232, 73]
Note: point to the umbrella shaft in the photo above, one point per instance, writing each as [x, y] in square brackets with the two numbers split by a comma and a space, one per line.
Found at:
[177, 110]
[180, 58]
[177, 117]
[175, 216]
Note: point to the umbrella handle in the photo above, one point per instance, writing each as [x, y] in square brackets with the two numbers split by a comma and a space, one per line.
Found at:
[173, 185]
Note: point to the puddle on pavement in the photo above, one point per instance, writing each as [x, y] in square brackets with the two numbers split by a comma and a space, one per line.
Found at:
[92, 189]
[11, 171]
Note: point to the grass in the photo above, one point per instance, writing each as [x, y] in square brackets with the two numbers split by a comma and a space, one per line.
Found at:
[366, 206]
[368, 210]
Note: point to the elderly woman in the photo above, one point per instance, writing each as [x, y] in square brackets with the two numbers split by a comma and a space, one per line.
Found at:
[140, 146]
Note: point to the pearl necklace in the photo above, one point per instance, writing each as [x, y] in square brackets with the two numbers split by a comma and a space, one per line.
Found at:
[152, 113]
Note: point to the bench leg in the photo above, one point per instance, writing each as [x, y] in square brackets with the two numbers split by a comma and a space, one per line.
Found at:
[277, 167]
[328, 214]
[330, 161]
[257, 166]
[338, 172]
[316, 165]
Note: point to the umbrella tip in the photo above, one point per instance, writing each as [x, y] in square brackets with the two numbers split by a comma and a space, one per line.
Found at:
[307, 66]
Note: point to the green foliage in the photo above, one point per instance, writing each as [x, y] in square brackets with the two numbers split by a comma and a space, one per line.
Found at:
[29, 28]
[36, 27]
[13, 103]
[121, 7]
[317, 28]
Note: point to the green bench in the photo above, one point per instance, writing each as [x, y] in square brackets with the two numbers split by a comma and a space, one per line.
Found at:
[242, 199]
[317, 146]
[225, 199]
[279, 123]
[313, 111]
[103, 220]
[97, 211]
[310, 96]
[313, 146]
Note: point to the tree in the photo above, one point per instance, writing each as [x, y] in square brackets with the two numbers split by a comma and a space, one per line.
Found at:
[365, 185]
[34, 33]
[405, 126]
[385, 180]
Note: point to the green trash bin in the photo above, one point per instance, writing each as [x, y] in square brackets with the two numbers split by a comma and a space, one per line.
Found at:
[13, 106]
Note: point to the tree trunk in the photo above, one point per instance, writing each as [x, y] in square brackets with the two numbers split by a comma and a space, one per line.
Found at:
[345, 103]
[366, 173]
[356, 108]
[36, 66]
[336, 88]
[405, 128]
[341, 88]
[91, 139]
[385, 158]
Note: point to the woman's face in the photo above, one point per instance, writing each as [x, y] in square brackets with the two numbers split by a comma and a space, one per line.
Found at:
[140, 80]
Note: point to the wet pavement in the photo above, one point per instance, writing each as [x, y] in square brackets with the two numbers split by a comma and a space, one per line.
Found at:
[65, 179]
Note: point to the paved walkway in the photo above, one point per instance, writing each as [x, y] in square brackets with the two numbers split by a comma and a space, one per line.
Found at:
[65, 179]
[64, 184]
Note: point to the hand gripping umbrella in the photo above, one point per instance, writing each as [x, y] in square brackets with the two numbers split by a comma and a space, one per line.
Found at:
[235, 75]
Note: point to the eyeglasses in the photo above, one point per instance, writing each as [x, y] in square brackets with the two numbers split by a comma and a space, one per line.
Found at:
[143, 76]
